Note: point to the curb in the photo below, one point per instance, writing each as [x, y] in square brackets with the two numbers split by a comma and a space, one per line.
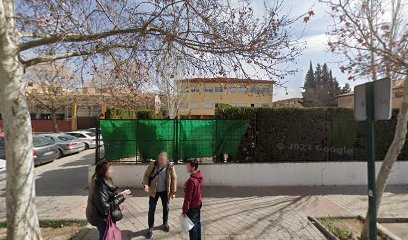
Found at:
[382, 230]
[322, 229]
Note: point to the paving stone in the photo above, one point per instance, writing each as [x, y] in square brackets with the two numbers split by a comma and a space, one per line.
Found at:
[228, 213]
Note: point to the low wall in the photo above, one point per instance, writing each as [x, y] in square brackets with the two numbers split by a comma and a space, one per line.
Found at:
[267, 174]
[48, 125]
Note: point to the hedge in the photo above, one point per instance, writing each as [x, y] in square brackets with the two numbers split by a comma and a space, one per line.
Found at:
[117, 113]
[308, 134]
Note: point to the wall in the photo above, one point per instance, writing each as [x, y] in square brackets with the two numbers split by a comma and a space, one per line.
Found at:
[86, 122]
[48, 125]
[268, 174]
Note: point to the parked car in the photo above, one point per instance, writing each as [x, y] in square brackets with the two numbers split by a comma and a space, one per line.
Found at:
[44, 150]
[3, 172]
[93, 130]
[67, 144]
[2, 148]
[90, 130]
[89, 138]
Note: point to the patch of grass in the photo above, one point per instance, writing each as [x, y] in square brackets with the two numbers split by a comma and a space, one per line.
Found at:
[340, 233]
[56, 223]
[345, 228]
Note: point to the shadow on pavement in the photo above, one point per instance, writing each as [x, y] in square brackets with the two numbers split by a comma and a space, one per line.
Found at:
[69, 179]
[234, 192]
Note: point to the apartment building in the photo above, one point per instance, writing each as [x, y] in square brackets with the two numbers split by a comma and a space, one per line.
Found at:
[288, 103]
[347, 100]
[203, 95]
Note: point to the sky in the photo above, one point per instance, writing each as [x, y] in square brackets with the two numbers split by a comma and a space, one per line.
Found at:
[314, 34]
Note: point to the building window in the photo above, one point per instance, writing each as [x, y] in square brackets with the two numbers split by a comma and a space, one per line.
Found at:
[219, 89]
[195, 105]
[45, 116]
[237, 90]
[195, 90]
[255, 90]
[209, 90]
[266, 90]
[209, 105]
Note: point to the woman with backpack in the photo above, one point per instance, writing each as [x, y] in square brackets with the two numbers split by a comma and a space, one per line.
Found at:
[103, 199]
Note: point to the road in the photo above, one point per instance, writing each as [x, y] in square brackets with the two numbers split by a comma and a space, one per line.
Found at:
[61, 185]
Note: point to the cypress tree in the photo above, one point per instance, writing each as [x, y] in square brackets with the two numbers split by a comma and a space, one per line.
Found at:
[321, 88]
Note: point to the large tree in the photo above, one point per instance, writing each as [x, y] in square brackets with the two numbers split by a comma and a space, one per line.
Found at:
[50, 88]
[320, 87]
[214, 36]
[373, 38]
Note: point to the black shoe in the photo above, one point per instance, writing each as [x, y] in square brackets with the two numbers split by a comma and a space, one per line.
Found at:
[149, 234]
[166, 227]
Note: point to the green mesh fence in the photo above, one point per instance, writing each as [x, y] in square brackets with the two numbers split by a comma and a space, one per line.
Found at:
[181, 139]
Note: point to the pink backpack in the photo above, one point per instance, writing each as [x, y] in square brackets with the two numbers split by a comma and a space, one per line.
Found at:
[112, 231]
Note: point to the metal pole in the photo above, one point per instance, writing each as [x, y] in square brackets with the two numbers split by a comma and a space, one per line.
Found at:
[97, 141]
[372, 211]
[176, 145]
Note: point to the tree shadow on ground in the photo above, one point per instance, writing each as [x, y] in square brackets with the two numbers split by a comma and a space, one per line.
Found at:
[80, 161]
[234, 192]
[67, 179]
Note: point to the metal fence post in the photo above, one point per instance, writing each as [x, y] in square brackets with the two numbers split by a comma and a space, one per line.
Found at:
[176, 145]
[137, 129]
[97, 150]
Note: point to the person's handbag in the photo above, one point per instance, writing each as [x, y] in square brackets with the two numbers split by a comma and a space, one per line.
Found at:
[185, 223]
[112, 231]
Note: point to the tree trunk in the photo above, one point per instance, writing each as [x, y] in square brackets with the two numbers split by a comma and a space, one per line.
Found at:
[22, 221]
[54, 121]
[392, 154]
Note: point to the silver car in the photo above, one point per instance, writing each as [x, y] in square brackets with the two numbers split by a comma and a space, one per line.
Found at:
[89, 138]
[67, 144]
[44, 150]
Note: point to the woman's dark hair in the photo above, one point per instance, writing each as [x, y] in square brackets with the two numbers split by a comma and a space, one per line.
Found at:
[193, 163]
[100, 170]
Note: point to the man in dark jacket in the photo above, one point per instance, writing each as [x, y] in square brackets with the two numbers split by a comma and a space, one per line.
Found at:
[192, 198]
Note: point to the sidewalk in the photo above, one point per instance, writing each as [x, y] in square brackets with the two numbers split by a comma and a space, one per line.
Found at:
[228, 213]
[236, 213]
[260, 213]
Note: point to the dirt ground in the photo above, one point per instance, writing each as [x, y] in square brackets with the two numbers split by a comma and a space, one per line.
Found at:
[63, 233]
[352, 225]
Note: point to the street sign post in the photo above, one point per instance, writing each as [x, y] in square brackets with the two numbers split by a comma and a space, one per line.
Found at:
[372, 101]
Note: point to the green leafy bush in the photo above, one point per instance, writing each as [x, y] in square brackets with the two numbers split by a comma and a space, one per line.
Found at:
[117, 113]
[310, 134]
